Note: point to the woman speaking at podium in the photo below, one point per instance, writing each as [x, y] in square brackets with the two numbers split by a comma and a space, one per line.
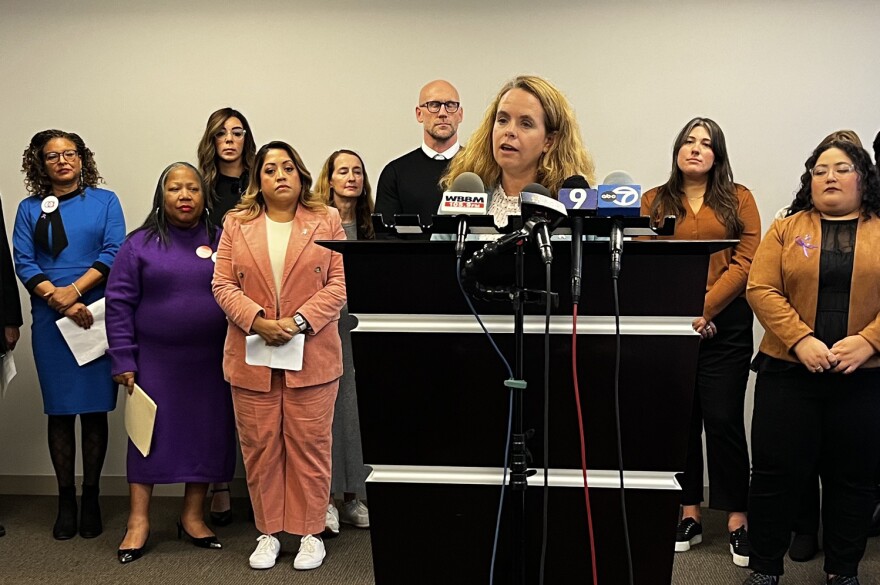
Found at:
[708, 205]
[529, 134]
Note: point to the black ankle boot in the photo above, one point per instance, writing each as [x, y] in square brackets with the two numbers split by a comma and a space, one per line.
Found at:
[65, 523]
[90, 524]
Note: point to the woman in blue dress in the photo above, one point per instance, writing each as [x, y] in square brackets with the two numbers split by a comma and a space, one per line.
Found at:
[67, 232]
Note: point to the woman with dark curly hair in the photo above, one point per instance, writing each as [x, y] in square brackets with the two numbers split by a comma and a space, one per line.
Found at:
[815, 287]
[226, 155]
[701, 193]
[67, 233]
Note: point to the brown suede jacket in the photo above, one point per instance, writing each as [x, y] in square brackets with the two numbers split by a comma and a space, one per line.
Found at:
[784, 283]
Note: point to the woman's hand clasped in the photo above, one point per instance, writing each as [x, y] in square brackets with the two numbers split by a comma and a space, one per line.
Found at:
[274, 332]
[80, 315]
[815, 355]
[850, 353]
[706, 329]
[62, 298]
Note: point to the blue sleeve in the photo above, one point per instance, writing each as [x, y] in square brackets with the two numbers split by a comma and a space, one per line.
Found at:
[24, 250]
[114, 234]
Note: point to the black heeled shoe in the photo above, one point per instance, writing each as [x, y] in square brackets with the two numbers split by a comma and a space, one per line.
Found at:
[223, 518]
[130, 555]
[203, 542]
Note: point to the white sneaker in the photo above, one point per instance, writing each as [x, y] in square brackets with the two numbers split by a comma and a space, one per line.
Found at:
[355, 513]
[267, 551]
[331, 520]
[311, 553]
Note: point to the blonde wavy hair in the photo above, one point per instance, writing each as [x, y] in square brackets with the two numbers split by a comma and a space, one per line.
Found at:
[566, 157]
[252, 203]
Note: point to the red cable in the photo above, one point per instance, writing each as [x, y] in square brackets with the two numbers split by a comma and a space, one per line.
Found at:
[577, 398]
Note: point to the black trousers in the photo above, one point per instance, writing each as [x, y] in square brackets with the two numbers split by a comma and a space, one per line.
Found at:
[803, 422]
[719, 398]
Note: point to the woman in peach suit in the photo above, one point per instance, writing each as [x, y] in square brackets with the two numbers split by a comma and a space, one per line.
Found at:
[274, 281]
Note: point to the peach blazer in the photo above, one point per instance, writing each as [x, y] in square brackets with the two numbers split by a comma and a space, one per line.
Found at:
[784, 283]
[313, 284]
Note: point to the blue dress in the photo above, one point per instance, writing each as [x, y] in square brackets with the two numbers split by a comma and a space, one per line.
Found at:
[95, 227]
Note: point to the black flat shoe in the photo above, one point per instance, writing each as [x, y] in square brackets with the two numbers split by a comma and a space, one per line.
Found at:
[65, 523]
[203, 542]
[130, 555]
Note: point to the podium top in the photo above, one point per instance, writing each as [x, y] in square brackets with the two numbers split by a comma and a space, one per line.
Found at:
[658, 277]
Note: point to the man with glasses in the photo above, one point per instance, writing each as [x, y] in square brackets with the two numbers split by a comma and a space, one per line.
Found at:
[410, 184]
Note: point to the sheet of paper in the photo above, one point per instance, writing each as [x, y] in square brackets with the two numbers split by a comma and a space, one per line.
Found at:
[284, 357]
[140, 417]
[86, 344]
[7, 374]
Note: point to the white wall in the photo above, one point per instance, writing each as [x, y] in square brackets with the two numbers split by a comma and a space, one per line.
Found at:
[138, 82]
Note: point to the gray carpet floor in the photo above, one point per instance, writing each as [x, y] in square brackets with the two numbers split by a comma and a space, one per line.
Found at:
[29, 555]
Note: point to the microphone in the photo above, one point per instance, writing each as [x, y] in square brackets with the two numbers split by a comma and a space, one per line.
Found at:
[619, 196]
[579, 201]
[544, 214]
[466, 196]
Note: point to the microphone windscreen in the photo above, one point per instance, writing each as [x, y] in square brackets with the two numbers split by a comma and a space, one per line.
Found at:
[618, 178]
[538, 189]
[575, 182]
[468, 183]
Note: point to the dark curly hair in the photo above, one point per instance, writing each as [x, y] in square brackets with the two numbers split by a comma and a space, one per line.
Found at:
[36, 180]
[869, 181]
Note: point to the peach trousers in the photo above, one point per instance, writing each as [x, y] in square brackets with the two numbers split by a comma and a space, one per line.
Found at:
[286, 443]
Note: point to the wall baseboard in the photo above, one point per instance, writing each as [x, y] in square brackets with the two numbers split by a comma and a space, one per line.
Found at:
[117, 485]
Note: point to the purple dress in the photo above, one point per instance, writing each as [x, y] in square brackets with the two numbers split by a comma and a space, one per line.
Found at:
[164, 324]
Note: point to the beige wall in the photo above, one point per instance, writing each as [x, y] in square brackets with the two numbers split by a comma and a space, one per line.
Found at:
[139, 82]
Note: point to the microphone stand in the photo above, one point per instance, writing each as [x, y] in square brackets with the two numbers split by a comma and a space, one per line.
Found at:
[519, 467]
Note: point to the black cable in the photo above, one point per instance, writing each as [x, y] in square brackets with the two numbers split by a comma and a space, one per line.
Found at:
[509, 419]
[546, 425]
[629, 561]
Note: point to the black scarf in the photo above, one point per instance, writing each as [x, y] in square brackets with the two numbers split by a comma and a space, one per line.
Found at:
[59, 236]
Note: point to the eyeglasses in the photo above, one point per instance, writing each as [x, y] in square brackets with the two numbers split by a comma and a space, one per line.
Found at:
[237, 133]
[54, 157]
[434, 107]
[839, 170]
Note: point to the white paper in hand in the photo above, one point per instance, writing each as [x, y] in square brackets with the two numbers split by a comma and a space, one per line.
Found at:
[86, 345]
[140, 418]
[284, 357]
[7, 374]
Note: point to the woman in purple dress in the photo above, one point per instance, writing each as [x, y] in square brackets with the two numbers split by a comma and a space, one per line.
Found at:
[166, 333]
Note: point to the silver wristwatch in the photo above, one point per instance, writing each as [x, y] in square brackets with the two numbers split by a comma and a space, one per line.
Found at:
[301, 322]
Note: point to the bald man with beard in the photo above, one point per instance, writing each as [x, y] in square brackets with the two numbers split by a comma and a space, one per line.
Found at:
[410, 184]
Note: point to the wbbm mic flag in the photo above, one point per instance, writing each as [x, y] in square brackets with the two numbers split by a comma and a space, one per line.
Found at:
[619, 201]
[463, 203]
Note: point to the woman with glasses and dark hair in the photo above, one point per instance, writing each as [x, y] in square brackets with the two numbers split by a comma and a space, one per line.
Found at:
[166, 334]
[343, 184]
[67, 233]
[226, 155]
[708, 205]
[278, 286]
[815, 287]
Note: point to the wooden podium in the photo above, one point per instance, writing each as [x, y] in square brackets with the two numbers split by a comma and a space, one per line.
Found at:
[434, 410]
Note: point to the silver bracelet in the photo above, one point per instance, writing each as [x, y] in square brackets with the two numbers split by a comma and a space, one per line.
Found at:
[76, 288]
